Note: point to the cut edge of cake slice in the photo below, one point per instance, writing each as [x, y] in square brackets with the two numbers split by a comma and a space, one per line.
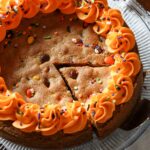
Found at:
[41, 84]
[85, 81]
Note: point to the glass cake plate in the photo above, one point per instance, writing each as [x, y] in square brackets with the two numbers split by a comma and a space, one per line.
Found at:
[138, 20]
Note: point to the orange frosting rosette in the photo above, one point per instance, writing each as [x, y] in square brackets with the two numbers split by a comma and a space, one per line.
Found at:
[3, 5]
[74, 119]
[27, 117]
[48, 6]
[29, 7]
[110, 19]
[3, 87]
[9, 103]
[120, 39]
[89, 11]
[67, 7]
[121, 88]
[127, 64]
[11, 15]
[49, 120]
[101, 108]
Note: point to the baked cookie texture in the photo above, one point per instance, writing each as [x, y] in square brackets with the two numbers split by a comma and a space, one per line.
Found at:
[85, 81]
[73, 67]
[68, 43]
[39, 84]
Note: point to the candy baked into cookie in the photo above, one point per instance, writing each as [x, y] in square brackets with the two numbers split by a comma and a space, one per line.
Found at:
[66, 67]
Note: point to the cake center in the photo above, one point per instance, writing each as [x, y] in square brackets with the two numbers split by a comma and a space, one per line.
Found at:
[37, 52]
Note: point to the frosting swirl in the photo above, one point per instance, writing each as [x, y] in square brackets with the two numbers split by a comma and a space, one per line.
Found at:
[8, 105]
[50, 120]
[48, 6]
[90, 11]
[127, 64]
[29, 7]
[121, 88]
[74, 119]
[11, 15]
[120, 39]
[27, 117]
[3, 87]
[109, 20]
[101, 108]
[67, 7]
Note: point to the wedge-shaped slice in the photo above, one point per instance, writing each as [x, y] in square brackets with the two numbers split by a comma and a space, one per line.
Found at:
[39, 84]
[85, 81]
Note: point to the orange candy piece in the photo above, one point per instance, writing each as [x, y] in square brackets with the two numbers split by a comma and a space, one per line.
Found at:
[109, 60]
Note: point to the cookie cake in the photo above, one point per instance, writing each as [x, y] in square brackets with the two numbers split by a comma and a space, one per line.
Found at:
[68, 68]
